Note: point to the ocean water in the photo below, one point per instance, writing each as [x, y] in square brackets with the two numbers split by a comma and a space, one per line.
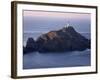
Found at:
[51, 60]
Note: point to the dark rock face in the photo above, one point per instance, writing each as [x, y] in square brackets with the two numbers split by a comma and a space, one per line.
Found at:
[66, 39]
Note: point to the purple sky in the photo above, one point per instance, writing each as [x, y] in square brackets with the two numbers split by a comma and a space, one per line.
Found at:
[47, 21]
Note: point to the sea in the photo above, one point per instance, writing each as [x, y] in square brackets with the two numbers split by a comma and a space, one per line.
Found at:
[36, 60]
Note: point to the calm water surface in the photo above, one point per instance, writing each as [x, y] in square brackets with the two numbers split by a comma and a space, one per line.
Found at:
[49, 60]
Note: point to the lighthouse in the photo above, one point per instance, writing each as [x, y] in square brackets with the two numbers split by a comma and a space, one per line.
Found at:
[67, 25]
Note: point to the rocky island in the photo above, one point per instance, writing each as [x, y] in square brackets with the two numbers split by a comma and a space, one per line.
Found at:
[65, 39]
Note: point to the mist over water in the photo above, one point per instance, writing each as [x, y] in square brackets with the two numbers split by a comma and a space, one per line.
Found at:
[52, 60]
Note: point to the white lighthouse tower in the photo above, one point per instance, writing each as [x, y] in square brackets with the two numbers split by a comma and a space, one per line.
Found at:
[67, 25]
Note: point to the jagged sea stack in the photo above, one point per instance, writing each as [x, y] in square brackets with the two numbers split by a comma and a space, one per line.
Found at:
[65, 39]
[30, 46]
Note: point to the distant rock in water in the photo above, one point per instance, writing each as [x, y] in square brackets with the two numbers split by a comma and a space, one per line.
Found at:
[30, 46]
[65, 39]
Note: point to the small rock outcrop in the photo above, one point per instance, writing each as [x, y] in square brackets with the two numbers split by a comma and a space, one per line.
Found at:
[30, 46]
[65, 39]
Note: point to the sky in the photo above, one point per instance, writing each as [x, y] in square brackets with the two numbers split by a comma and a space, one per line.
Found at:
[45, 14]
[35, 21]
